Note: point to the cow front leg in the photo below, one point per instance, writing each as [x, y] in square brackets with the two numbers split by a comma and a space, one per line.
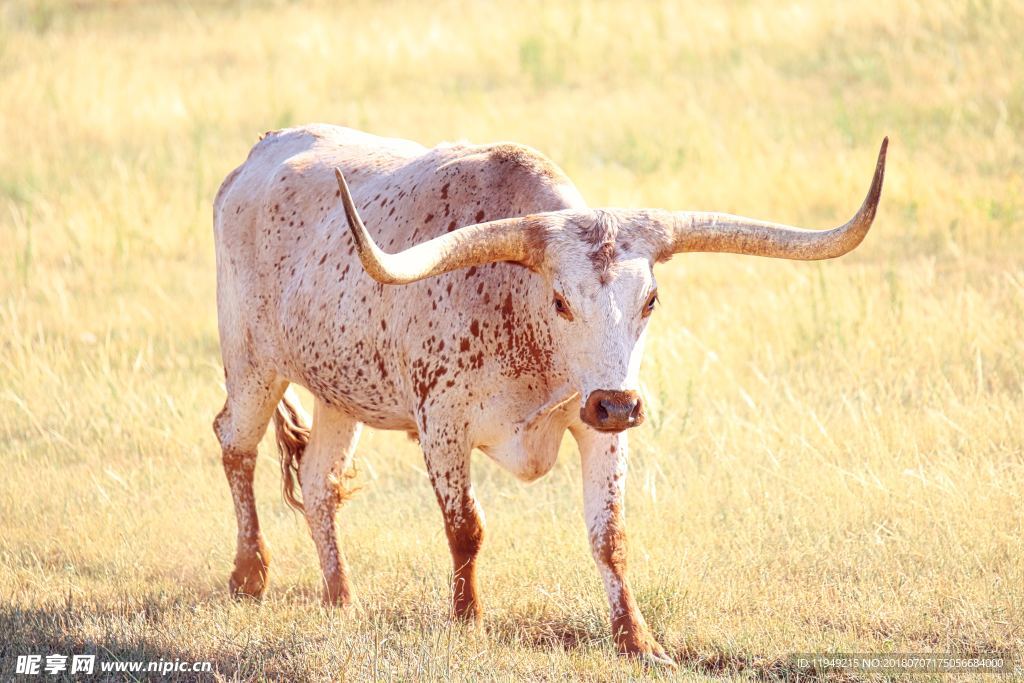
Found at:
[448, 467]
[603, 459]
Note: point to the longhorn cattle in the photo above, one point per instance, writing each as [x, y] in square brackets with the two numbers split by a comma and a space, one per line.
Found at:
[465, 294]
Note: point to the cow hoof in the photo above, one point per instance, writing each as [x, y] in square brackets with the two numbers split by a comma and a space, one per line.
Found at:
[249, 578]
[657, 660]
[472, 623]
[338, 595]
[468, 614]
[651, 654]
[345, 603]
[248, 581]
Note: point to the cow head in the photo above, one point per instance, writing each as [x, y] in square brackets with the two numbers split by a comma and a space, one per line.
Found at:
[600, 293]
[598, 267]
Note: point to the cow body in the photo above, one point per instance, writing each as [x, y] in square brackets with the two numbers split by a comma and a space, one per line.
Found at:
[499, 336]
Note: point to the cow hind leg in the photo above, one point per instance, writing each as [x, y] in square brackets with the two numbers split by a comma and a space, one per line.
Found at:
[239, 428]
[323, 470]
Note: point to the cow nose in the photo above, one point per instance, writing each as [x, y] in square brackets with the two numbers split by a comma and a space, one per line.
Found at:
[613, 411]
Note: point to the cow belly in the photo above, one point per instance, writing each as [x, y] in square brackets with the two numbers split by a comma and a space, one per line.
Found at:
[374, 401]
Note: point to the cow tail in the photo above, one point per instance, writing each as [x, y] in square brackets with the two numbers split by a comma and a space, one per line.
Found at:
[292, 437]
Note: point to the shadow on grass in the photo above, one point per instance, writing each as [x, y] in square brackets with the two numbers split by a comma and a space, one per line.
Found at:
[707, 659]
[62, 630]
[131, 632]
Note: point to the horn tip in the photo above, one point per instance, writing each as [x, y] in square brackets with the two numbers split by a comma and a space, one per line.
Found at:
[880, 164]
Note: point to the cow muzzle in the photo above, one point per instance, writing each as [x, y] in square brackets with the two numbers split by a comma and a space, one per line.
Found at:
[613, 411]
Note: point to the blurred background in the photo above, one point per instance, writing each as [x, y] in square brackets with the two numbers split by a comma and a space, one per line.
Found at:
[834, 455]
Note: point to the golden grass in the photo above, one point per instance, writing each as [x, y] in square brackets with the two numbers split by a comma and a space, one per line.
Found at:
[834, 459]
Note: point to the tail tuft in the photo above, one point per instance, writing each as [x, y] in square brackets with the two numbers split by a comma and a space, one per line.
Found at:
[344, 491]
[292, 438]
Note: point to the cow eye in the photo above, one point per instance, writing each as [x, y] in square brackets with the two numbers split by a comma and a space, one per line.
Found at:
[652, 300]
[562, 308]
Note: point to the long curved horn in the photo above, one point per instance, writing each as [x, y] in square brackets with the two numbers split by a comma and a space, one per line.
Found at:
[510, 239]
[699, 231]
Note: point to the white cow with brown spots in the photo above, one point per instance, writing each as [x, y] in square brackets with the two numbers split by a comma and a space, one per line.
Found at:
[497, 336]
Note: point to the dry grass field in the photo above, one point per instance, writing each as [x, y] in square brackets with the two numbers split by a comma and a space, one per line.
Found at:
[835, 455]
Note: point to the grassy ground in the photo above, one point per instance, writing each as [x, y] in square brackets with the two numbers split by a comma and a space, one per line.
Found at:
[834, 460]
